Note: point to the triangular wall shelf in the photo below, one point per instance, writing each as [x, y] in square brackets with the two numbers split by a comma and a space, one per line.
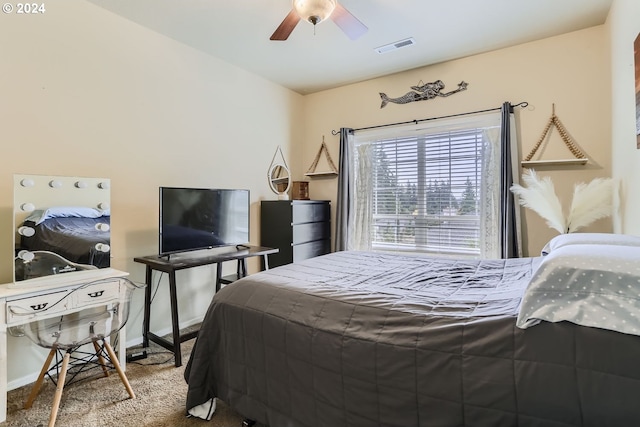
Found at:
[580, 158]
[312, 169]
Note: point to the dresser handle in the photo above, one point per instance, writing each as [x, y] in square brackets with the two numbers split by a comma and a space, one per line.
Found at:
[37, 307]
[96, 294]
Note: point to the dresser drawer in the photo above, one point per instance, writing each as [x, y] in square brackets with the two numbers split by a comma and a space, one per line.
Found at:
[98, 294]
[311, 231]
[31, 308]
[310, 212]
[311, 249]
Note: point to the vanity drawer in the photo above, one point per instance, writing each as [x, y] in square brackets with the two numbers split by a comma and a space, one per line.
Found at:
[40, 306]
[98, 294]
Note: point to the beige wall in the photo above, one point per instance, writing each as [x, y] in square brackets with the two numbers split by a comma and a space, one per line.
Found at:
[86, 93]
[570, 70]
[623, 26]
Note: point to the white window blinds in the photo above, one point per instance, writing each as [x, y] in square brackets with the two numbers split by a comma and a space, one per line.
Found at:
[425, 188]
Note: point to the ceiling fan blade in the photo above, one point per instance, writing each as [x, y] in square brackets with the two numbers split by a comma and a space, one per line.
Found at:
[348, 23]
[286, 27]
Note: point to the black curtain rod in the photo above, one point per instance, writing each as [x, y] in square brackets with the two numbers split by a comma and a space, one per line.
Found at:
[523, 104]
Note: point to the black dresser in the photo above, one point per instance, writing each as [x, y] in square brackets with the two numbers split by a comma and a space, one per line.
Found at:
[300, 229]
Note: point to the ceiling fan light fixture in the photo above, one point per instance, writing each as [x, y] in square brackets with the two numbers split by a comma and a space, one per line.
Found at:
[314, 11]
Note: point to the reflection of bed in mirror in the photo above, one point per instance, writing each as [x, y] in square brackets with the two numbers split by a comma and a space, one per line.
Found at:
[66, 216]
[80, 235]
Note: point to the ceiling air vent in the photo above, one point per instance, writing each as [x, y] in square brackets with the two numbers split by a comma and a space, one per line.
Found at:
[396, 45]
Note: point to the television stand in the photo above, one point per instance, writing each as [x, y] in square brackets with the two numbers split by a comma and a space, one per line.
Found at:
[170, 266]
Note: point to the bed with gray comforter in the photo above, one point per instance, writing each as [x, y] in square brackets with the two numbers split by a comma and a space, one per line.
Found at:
[372, 339]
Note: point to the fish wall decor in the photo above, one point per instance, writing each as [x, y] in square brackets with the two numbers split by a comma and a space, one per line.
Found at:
[422, 92]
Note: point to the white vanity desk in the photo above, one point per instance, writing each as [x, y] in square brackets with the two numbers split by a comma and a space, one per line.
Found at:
[23, 303]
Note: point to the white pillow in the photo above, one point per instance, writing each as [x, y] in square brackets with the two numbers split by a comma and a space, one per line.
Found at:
[590, 239]
[590, 285]
[38, 216]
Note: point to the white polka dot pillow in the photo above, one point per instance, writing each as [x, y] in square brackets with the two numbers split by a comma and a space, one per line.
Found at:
[587, 284]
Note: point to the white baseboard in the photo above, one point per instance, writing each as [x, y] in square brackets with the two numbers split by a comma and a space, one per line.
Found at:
[22, 381]
[162, 332]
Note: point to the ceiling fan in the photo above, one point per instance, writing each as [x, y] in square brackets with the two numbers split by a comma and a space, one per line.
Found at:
[316, 11]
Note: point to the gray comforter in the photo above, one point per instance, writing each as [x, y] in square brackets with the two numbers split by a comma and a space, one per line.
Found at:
[370, 339]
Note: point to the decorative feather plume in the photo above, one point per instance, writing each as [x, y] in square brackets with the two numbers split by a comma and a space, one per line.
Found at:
[540, 196]
[590, 202]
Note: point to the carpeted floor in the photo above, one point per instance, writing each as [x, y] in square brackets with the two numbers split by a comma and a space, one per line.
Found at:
[103, 401]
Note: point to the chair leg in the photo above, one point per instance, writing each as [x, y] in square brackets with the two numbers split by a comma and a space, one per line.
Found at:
[38, 385]
[103, 363]
[123, 377]
[59, 387]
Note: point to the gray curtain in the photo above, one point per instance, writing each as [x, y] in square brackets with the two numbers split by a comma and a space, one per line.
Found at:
[509, 232]
[344, 191]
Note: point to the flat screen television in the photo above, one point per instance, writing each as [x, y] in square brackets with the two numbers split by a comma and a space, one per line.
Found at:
[202, 218]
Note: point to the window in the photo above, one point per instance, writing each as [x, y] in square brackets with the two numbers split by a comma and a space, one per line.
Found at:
[428, 189]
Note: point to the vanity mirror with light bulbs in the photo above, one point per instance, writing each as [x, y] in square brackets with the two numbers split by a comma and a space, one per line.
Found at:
[62, 241]
[61, 225]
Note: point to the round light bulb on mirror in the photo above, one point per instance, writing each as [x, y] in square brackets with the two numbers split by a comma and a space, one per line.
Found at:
[27, 182]
[54, 183]
[104, 206]
[27, 207]
[104, 185]
[102, 247]
[80, 184]
[26, 231]
[26, 255]
[101, 226]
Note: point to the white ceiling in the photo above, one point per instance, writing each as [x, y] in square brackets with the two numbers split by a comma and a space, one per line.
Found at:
[238, 32]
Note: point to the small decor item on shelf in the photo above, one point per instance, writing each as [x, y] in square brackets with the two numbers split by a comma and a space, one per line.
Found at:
[422, 92]
[300, 190]
[590, 202]
[580, 158]
[312, 169]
